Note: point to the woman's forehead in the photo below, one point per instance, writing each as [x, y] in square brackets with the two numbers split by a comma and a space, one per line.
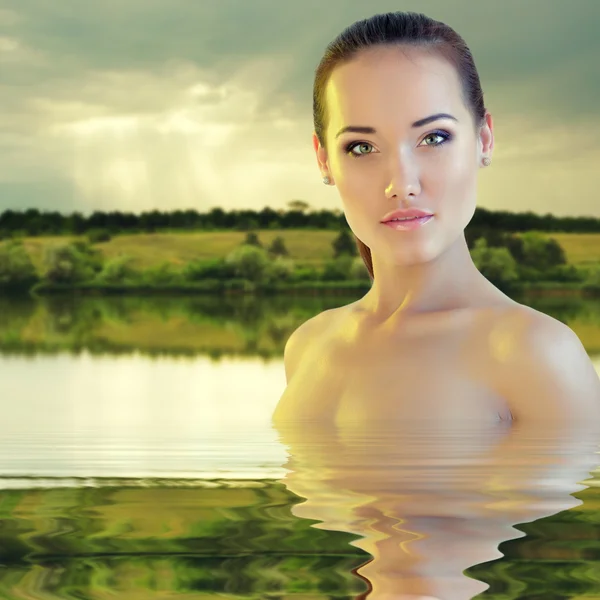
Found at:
[386, 104]
[394, 70]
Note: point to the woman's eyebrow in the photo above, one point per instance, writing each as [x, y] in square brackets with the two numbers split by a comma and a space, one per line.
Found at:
[419, 123]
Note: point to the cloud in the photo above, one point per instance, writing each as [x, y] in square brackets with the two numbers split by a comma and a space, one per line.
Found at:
[143, 104]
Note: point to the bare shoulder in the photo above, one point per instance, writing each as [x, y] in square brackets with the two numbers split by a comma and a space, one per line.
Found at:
[542, 334]
[310, 331]
[548, 373]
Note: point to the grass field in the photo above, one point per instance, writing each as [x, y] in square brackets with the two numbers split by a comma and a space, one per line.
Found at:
[151, 249]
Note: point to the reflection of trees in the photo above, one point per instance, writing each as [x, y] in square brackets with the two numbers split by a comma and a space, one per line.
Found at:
[154, 539]
[241, 539]
[261, 325]
[279, 328]
[72, 317]
[15, 313]
[431, 503]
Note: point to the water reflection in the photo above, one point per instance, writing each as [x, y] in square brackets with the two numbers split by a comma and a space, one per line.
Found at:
[182, 389]
[431, 502]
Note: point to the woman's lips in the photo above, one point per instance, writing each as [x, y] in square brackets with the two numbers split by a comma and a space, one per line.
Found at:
[408, 224]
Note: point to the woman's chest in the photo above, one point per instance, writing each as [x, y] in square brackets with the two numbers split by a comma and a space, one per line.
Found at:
[446, 377]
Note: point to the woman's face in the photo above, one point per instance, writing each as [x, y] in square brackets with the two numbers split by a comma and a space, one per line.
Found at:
[432, 166]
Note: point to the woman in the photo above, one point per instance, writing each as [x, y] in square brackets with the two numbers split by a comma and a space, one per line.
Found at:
[401, 125]
[428, 416]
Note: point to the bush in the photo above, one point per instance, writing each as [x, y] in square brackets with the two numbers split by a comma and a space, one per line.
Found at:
[252, 239]
[338, 269]
[530, 274]
[496, 264]
[117, 270]
[163, 274]
[16, 267]
[567, 273]
[249, 262]
[305, 273]
[280, 270]
[344, 244]
[98, 235]
[277, 247]
[70, 263]
[92, 256]
[214, 268]
[592, 279]
[540, 252]
[358, 270]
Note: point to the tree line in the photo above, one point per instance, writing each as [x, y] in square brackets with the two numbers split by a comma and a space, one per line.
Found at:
[33, 222]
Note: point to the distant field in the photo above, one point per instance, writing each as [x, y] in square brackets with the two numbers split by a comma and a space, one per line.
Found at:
[150, 249]
[580, 248]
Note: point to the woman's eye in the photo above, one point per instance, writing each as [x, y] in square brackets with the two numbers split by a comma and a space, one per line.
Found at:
[439, 134]
[445, 137]
[350, 148]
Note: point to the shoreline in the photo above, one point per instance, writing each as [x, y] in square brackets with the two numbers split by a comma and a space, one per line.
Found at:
[236, 287]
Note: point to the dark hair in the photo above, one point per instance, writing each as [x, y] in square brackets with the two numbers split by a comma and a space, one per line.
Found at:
[402, 29]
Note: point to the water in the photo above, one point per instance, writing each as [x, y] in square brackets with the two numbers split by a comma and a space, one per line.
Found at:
[137, 460]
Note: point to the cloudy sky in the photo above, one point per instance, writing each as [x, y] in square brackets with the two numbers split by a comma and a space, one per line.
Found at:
[137, 105]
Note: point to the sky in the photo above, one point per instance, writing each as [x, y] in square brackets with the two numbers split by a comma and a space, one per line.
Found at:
[137, 105]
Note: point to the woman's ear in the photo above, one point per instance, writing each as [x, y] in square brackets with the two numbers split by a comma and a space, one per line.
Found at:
[321, 155]
[486, 135]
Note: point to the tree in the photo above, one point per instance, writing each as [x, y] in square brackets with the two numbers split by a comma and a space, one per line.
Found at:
[98, 235]
[281, 269]
[515, 246]
[212, 268]
[117, 270]
[70, 263]
[496, 264]
[340, 268]
[16, 267]
[252, 240]
[359, 269]
[162, 274]
[299, 205]
[277, 247]
[344, 244]
[592, 280]
[540, 252]
[249, 262]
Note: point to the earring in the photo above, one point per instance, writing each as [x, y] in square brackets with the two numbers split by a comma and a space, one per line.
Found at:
[326, 180]
[487, 161]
